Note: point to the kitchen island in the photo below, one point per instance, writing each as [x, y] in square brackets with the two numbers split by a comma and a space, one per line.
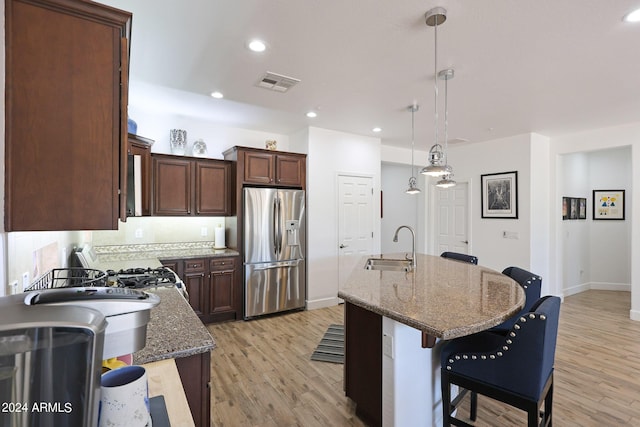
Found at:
[395, 324]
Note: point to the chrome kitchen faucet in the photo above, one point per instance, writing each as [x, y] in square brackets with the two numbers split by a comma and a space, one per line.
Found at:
[413, 243]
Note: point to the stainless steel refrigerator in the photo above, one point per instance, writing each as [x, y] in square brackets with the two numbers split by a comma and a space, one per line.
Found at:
[274, 250]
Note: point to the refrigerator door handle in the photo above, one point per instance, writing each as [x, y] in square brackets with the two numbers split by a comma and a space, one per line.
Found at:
[278, 265]
[275, 227]
[279, 226]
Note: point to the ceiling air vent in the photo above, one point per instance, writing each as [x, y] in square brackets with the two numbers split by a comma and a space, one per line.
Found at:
[277, 82]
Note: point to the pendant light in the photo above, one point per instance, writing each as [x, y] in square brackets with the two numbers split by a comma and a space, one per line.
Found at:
[446, 181]
[437, 155]
[413, 189]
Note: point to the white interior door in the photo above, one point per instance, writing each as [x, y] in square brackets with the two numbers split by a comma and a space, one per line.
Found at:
[355, 222]
[452, 219]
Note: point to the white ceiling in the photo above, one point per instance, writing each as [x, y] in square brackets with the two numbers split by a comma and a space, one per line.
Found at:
[547, 66]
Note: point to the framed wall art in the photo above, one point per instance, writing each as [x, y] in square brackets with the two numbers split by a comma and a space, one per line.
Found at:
[608, 204]
[574, 208]
[500, 195]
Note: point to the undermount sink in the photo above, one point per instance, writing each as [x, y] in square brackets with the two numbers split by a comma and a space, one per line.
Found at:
[388, 264]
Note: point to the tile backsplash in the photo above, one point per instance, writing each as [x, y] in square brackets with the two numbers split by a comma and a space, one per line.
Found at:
[29, 253]
[141, 230]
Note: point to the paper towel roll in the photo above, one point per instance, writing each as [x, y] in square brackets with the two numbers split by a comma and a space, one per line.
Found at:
[219, 238]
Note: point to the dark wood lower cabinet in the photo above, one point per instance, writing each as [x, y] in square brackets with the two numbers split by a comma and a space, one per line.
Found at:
[363, 362]
[195, 373]
[213, 285]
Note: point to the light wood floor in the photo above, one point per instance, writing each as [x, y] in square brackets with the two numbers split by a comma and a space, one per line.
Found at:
[262, 375]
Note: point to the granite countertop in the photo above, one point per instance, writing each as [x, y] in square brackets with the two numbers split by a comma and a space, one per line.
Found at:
[127, 255]
[174, 330]
[441, 297]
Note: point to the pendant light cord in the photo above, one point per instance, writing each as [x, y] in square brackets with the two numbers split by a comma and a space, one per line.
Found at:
[413, 111]
[446, 120]
[435, 78]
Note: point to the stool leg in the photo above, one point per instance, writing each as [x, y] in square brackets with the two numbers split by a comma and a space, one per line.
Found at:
[446, 399]
[473, 413]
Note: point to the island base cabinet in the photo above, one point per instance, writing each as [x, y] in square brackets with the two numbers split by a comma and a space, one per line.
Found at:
[363, 362]
[195, 374]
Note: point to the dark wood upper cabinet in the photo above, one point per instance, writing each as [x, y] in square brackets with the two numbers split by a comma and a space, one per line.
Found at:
[266, 167]
[290, 170]
[171, 185]
[213, 195]
[66, 113]
[190, 186]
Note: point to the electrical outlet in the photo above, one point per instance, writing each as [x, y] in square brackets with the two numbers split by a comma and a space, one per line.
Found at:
[25, 280]
[64, 262]
[204, 231]
[510, 235]
[138, 233]
[13, 287]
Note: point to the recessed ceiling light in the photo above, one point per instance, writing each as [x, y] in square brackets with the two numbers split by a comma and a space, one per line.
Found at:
[633, 16]
[377, 129]
[217, 95]
[257, 45]
[312, 114]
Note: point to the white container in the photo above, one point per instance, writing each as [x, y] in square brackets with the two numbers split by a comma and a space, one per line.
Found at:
[125, 398]
[219, 242]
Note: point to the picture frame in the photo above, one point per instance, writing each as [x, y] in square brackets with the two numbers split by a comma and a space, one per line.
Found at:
[582, 208]
[574, 208]
[608, 205]
[499, 195]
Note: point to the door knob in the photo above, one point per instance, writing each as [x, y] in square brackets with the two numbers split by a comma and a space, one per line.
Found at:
[343, 246]
[466, 242]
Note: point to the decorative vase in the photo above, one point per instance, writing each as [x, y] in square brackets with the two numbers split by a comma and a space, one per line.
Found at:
[178, 141]
[132, 126]
[271, 144]
[199, 148]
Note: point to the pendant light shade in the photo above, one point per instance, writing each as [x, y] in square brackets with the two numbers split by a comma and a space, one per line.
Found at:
[413, 189]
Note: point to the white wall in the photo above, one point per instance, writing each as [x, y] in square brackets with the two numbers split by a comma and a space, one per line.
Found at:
[597, 254]
[600, 139]
[331, 153]
[502, 155]
[574, 181]
[400, 208]
[153, 110]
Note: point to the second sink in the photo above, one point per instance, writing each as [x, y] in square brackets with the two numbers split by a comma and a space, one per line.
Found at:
[388, 264]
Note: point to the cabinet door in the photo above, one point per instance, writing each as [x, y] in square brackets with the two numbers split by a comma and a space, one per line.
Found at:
[212, 182]
[63, 119]
[221, 291]
[171, 186]
[259, 168]
[290, 170]
[195, 285]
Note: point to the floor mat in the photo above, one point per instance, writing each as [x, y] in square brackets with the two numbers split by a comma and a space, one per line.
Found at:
[331, 347]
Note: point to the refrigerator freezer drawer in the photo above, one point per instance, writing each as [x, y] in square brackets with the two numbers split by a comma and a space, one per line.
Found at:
[273, 287]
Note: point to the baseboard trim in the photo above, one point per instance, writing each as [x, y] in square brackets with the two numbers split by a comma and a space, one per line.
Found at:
[634, 315]
[599, 286]
[322, 303]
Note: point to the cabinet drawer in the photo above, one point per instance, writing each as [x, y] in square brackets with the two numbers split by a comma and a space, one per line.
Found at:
[194, 265]
[219, 264]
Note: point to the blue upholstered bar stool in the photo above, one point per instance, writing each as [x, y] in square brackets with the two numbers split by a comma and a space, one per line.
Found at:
[460, 257]
[516, 369]
[532, 285]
